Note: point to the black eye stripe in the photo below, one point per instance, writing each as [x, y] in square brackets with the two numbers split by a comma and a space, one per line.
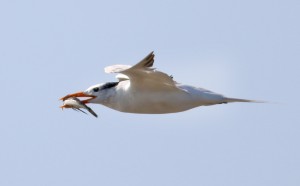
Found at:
[109, 85]
[96, 89]
[106, 86]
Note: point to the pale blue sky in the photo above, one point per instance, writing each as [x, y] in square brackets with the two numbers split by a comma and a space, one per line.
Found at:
[244, 49]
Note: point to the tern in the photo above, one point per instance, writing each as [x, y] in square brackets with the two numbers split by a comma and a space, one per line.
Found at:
[145, 90]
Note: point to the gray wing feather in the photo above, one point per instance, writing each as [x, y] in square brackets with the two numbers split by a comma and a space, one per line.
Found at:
[142, 72]
[148, 61]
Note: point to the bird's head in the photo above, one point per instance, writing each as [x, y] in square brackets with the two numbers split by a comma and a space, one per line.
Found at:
[96, 93]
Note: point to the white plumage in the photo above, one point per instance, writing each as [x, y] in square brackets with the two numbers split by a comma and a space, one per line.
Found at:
[143, 89]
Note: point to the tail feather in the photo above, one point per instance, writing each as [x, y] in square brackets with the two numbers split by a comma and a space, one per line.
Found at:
[230, 100]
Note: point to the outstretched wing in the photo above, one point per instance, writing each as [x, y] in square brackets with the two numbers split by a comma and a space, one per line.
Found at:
[116, 68]
[148, 61]
[142, 74]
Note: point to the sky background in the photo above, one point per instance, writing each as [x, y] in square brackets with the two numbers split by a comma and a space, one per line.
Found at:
[243, 49]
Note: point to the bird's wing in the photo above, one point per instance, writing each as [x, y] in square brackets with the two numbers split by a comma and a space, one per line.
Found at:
[142, 73]
[116, 68]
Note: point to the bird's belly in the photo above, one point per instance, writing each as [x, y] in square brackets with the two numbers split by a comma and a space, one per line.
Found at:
[155, 103]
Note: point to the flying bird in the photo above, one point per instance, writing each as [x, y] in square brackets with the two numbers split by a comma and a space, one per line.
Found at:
[146, 90]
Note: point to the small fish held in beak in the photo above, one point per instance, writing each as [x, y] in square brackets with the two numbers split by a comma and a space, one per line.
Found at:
[76, 104]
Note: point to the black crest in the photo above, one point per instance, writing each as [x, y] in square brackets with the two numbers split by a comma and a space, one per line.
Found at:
[109, 85]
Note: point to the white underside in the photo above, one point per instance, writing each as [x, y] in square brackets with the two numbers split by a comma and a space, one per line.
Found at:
[161, 99]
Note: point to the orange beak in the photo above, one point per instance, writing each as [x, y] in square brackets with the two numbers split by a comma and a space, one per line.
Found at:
[79, 94]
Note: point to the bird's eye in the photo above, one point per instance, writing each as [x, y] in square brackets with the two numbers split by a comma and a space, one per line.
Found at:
[96, 89]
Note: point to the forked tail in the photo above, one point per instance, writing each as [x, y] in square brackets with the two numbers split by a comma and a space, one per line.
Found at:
[231, 100]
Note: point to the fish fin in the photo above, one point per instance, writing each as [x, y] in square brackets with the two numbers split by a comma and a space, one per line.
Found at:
[77, 109]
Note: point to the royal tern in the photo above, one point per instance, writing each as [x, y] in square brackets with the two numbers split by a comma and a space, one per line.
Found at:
[143, 89]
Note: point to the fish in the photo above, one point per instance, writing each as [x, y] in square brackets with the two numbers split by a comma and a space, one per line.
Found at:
[75, 104]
